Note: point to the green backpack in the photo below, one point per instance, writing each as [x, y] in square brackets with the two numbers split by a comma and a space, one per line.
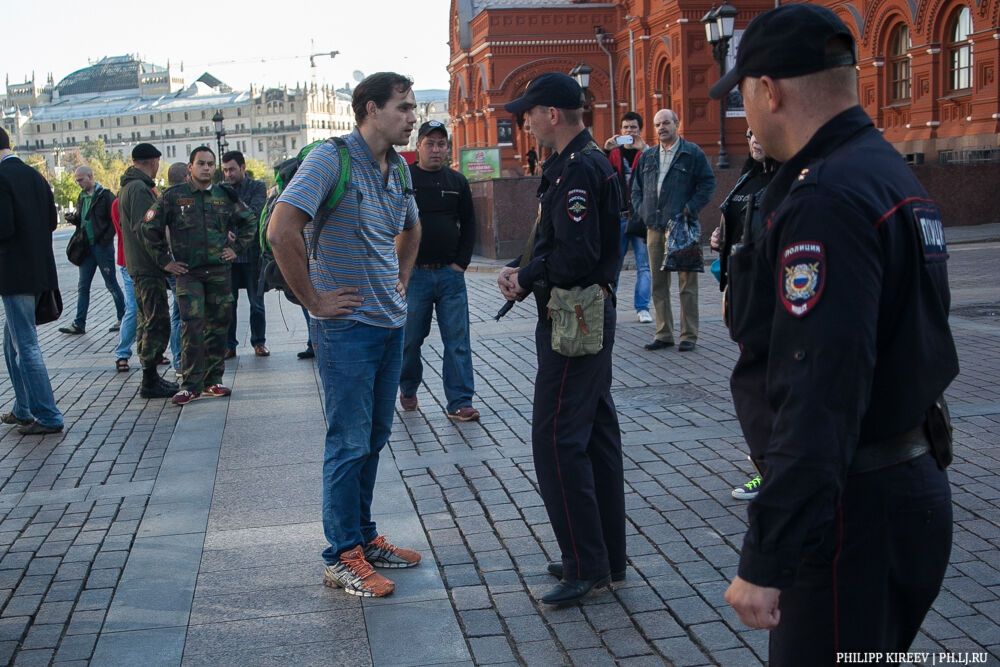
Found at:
[270, 273]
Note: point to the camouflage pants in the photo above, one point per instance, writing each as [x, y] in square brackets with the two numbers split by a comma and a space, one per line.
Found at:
[205, 301]
[152, 332]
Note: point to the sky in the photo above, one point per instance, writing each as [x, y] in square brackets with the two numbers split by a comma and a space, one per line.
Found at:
[250, 41]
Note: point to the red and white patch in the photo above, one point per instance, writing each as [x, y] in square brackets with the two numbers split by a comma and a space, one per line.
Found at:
[802, 277]
[576, 204]
[150, 214]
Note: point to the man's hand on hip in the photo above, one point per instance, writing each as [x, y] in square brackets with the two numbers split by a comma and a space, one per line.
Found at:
[756, 606]
[337, 303]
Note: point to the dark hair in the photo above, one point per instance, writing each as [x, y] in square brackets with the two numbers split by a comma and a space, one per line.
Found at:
[234, 156]
[377, 88]
[200, 149]
[4, 139]
[631, 115]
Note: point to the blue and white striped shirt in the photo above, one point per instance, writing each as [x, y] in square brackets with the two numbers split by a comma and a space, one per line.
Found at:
[357, 244]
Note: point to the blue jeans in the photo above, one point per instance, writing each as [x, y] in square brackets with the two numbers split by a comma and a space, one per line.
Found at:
[126, 337]
[442, 290]
[33, 397]
[359, 368]
[175, 326]
[245, 276]
[101, 257]
[643, 279]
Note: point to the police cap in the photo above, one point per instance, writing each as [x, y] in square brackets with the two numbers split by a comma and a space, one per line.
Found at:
[787, 42]
[549, 90]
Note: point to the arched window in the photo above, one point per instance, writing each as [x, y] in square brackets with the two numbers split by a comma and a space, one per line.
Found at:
[899, 64]
[959, 50]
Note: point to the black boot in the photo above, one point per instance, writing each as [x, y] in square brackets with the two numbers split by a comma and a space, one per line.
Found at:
[173, 387]
[568, 592]
[556, 570]
[152, 385]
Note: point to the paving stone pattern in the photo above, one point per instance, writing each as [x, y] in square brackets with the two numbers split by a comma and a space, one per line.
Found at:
[474, 488]
[71, 503]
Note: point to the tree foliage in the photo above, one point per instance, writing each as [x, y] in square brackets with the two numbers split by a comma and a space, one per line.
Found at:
[260, 171]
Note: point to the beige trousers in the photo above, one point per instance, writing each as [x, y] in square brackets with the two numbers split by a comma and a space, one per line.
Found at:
[688, 287]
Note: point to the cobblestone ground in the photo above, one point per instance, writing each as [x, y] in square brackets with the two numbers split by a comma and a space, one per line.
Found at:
[71, 503]
[474, 488]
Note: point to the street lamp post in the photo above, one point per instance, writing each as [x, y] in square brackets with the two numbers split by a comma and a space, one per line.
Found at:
[220, 133]
[719, 23]
[582, 75]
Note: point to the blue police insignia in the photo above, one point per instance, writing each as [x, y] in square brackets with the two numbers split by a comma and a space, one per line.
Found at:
[576, 204]
[802, 276]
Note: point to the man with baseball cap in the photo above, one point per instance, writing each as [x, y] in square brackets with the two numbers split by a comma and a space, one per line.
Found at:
[448, 221]
[841, 313]
[575, 438]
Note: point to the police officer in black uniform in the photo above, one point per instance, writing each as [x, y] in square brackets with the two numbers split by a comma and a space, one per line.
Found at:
[575, 436]
[841, 312]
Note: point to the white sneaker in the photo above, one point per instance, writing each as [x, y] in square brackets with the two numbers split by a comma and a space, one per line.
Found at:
[644, 317]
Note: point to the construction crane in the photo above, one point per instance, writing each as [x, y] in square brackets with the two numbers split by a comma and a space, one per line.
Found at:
[311, 56]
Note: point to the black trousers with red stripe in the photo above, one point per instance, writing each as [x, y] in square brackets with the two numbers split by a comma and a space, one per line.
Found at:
[870, 583]
[577, 449]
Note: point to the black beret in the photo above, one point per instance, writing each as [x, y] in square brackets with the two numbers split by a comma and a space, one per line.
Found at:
[145, 152]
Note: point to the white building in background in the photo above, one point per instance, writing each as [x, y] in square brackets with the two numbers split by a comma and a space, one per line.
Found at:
[124, 101]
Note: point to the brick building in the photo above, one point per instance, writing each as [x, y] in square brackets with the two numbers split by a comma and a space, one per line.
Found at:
[928, 69]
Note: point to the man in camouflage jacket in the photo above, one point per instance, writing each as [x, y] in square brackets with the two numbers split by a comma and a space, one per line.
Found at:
[199, 215]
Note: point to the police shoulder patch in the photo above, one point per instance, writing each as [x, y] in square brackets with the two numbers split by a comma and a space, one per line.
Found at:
[802, 277]
[577, 201]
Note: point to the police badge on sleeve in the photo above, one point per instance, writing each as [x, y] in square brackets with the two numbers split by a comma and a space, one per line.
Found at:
[802, 277]
[576, 204]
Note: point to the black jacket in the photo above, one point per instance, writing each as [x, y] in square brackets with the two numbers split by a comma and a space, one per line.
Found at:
[841, 313]
[99, 215]
[27, 220]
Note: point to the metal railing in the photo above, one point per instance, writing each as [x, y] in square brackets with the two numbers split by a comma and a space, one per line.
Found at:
[983, 155]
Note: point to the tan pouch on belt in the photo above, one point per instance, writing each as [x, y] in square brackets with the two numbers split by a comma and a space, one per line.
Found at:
[577, 316]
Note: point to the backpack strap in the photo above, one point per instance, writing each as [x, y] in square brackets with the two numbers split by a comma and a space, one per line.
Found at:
[336, 194]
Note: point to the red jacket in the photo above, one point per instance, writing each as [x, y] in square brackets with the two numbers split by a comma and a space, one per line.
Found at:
[116, 219]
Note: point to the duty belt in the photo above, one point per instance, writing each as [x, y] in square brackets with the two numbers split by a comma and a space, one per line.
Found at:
[897, 449]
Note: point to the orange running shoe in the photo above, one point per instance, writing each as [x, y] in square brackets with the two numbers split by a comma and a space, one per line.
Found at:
[382, 553]
[356, 576]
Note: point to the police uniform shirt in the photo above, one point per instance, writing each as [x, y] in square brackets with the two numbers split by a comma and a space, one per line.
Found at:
[841, 314]
[577, 240]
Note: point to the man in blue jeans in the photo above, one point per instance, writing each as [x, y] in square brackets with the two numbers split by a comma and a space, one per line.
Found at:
[355, 291]
[623, 151]
[93, 215]
[27, 220]
[448, 231]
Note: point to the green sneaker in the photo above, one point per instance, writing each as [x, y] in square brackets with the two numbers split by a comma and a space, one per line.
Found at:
[749, 490]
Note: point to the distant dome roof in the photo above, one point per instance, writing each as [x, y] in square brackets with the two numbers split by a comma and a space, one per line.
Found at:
[112, 73]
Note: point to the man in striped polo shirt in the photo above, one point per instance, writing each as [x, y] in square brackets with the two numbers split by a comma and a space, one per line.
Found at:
[355, 291]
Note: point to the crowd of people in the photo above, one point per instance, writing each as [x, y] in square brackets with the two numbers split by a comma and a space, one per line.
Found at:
[831, 258]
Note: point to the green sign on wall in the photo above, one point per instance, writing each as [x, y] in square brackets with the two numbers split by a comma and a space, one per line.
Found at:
[480, 164]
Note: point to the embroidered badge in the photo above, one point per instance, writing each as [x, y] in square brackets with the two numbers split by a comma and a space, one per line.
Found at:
[150, 214]
[576, 204]
[928, 219]
[802, 277]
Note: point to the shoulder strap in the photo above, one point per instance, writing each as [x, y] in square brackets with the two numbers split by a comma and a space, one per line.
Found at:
[336, 195]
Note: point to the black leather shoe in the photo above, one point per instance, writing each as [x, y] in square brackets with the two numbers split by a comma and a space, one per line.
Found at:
[659, 344]
[685, 346]
[568, 592]
[72, 329]
[556, 570]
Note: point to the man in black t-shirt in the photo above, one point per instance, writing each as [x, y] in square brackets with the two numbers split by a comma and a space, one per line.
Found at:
[438, 280]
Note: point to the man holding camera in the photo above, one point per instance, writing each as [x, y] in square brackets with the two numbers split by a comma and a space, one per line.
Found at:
[623, 152]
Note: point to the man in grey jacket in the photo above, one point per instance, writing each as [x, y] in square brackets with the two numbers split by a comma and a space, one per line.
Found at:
[672, 179]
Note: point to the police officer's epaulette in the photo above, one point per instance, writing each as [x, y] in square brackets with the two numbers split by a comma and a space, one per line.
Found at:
[591, 146]
[230, 191]
[808, 177]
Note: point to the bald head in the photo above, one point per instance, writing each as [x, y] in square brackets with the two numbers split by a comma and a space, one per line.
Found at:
[84, 177]
[665, 123]
[177, 173]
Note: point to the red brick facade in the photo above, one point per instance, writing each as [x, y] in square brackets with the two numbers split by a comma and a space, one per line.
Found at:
[929, 93]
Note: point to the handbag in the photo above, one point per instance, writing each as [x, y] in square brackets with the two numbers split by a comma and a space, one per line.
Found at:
[78, 247]
[577, 316]
[48, 306]
[634, 226]
[683, 245]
